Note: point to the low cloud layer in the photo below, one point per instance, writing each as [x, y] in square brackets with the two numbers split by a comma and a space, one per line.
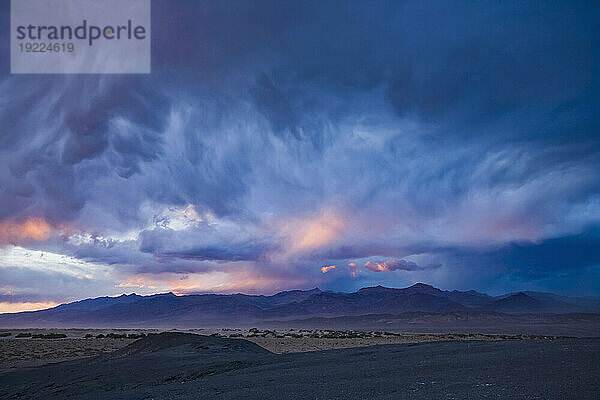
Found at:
[395, 265]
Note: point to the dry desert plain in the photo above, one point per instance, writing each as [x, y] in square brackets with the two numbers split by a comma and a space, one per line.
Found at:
[33, 347]
[82, 364]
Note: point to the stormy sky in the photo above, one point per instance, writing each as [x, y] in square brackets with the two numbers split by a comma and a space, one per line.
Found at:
[292, 144]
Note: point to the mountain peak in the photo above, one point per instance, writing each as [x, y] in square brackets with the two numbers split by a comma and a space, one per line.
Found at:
[213, 309]
[377, 288]
[297, 291]
[423, 288]
[420, 285]
[168, 294]
[516, 303]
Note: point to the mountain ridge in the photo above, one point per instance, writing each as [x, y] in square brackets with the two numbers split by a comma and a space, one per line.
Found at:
[207, 309]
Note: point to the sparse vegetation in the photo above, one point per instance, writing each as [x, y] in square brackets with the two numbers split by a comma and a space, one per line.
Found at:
[116, 336]
[5, 334]
[49, 336]
[113, 335]
[136, 336]
[23, 335]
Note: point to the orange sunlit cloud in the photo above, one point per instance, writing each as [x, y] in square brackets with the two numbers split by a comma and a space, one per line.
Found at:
[314, 232]
[327, 268]
[394, 265]
[353, 269]
[378, 266]
[236, 281]
[36, 229]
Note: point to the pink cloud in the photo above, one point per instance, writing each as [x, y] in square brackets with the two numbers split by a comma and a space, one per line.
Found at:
[327, 268]
[392, 265]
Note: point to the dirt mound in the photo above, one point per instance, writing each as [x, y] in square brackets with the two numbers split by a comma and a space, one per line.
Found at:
[189, 342]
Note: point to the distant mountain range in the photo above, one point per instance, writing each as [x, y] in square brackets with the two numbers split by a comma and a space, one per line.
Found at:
[164, 310]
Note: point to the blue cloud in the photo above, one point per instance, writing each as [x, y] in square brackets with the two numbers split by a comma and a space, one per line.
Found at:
[465, 134]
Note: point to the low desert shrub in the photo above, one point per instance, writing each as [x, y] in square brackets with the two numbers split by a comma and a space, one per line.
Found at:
[116, 335]
[136, 335]
[49, 336]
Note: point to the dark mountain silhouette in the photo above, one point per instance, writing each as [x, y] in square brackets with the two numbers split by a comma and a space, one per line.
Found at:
[217, 309]
[516, 303]
[279, 298]
[527, 302]
[367, 301]
[98, 303]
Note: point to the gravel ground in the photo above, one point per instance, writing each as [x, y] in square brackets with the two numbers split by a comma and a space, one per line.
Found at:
[297, 345]
[20, 353]
[25, 352]
[197, 367]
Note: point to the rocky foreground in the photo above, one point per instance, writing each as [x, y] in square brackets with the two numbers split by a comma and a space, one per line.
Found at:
[28, 348]
[188, 366]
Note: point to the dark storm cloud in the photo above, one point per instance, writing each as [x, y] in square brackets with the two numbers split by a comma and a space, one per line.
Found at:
[60, 136]
[203, 244]
[427, 126]
[564, 254]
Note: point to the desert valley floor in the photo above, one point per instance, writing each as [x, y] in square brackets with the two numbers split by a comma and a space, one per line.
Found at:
[309, 364]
